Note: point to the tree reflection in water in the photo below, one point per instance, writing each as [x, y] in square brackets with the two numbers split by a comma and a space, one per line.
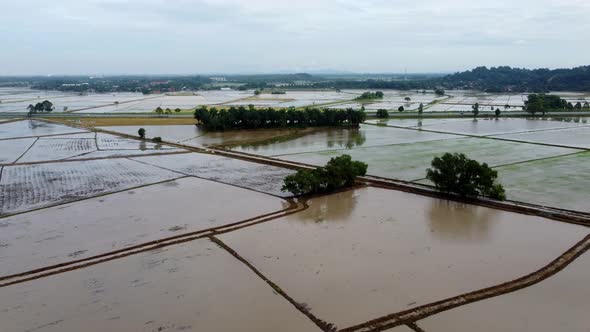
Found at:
[454, 221]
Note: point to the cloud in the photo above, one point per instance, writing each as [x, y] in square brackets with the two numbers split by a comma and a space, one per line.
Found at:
[188, 36]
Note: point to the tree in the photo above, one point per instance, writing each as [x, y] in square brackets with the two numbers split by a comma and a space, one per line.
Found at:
[338, 173]
[168, 111]
[498, 112]
[177, 110]
[586, 106]
[159, 110]
[382, 113]
[379, 94]
[47, 106]
[578, 106]
[570, 106]
[408, 99]
[439, 92]
[141, 133]
[400, 109]
[455, 173]
[475, 109]
[506, 107]
[257, 92]
[31, 109]
[420, 108]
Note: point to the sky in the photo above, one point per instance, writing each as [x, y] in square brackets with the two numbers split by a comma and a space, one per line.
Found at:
[102, 37]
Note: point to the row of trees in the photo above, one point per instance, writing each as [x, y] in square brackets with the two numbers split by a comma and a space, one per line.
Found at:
[370, 95]
[252, 118]
[161, 111]
[544, 103]
[43, 107]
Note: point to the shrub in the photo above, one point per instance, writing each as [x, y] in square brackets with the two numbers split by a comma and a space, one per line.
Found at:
[141, 133]
[382, 113]
[157, 139]
[339, 172]
[455, 173]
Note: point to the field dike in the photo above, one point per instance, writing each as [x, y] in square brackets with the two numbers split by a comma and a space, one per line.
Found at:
[8, 280]
[412, 315]
[406, 317]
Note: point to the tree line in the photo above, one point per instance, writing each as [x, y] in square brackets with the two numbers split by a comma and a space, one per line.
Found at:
[252, 118]
[544, 103]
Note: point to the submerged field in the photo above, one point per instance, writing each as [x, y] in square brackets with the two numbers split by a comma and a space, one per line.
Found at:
[103, 231]
[16, 100]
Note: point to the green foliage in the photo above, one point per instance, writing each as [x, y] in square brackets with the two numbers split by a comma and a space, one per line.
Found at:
[338, 173]
[382, 113]
[420, 108]
[370, 95]
[439, 92]
[141, 133]
[157, 139]
[507, 79]
[252, 118]
[401, 109]
[177, 110]
[455, 173]
[159, 110]
[498, 112]
[543, 103]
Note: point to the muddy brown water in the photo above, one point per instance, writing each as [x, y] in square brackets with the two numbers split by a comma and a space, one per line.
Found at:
[195, 286]
[27, 187]
[362, 254]
[559, 303]
[99, 225]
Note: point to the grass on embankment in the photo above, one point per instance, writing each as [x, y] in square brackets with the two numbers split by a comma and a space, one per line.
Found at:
[124, 121]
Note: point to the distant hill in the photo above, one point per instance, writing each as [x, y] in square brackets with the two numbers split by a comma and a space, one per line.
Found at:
[506, 79]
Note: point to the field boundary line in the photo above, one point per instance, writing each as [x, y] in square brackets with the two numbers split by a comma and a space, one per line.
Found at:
[323, 325]
[421, 312]
[27, 150]
[415, 327]
[76, 158]
[492, 137]
[147, 246]
[203, 178]
[42, 136]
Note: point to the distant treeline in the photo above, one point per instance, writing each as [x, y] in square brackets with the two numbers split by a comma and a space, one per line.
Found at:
[507, 79]
[495, 79]
[252, 118]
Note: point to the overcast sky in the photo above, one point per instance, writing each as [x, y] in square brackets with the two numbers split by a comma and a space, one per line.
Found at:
[254, 36]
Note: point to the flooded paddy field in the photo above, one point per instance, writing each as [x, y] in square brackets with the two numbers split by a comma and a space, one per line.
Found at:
[17, 100]
[195, 286]
[101, 231]
[410, 161]
[360, 254]
[558, 182]
[109, 223]
[559, 303]
[29, 187]
[574, 137]
[340, 139]
[33, 128]
[254, 176]
[193, 136]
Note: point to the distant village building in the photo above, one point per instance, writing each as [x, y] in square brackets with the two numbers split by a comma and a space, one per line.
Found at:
[218, 78]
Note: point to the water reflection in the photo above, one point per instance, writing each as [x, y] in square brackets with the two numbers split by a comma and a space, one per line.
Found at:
[142, 145]
[453, 221]
[334, 208]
